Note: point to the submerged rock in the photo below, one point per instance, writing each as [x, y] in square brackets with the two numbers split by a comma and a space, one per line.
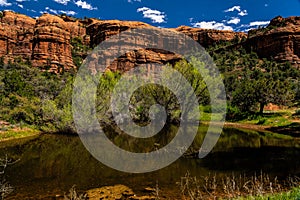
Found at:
[120, 192]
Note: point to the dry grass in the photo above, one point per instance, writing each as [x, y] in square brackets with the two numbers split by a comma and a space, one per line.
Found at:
[228, 187]
[73, 195]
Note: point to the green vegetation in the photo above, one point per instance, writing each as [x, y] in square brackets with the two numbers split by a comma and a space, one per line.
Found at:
[272, 118]
[151, 94]
[26, 93]
[260, 187]
[42, 99]
[34, 100]
[79, 50]
[17, 133]
[252, 83]
[294, 194]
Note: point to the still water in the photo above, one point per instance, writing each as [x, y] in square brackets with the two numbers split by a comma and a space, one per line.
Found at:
[50, 165]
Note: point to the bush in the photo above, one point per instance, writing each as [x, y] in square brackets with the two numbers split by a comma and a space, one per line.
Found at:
[206, 109]
[233, 113]
[15, 109]
[261, 121]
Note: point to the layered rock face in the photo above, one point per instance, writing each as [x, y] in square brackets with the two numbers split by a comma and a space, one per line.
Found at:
[280, 40]
[46, 41]
[102, 30]
[207, 37]
[143, 56]
[51, 43]
[16, 34]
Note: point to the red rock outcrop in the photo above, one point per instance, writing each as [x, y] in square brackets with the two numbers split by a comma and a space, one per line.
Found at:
[16, 33]
[280, 40]
[207, 37]
[44, 41]
[102, 30]
[51, 43]
[143, 56]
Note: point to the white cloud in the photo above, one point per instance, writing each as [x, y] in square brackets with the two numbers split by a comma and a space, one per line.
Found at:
[237, 8]
[31, 10]
[64, 2]
[85, 5]
[20, 5]
[51, 10]
[252, 25]
[249, 29]
[259, 23]
[68, 12]
[155, 15]
[212, 25]
[21, 0]
[131, 1]
[4, 3]
[243, 13]
[234, 20]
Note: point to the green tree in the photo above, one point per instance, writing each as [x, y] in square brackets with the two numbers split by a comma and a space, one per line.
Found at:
[14, 83]
[262, 86]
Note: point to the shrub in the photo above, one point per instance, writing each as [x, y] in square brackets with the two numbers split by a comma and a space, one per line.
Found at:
[234, 113]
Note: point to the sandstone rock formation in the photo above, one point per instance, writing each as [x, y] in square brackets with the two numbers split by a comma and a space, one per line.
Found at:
[207, 37]
[16, 34]
[46, 41]
[51, 42]
[101, 30]
[280, 40]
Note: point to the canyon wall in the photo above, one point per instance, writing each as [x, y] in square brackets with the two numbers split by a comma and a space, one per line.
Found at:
[46, 41]
[280, 40]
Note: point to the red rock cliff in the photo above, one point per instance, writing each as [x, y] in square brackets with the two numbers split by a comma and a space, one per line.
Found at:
[46, 41]
[102, 30]
[207, 37]
[280, 40]
[16, 34]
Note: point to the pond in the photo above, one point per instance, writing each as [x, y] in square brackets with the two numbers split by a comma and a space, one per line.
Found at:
[50, 165]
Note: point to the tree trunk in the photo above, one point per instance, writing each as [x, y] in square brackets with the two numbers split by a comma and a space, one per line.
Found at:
[261, 107]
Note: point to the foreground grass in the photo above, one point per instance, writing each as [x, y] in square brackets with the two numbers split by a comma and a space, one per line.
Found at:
[256, 187]
[290, 195]
[17, 133]
[281, 117]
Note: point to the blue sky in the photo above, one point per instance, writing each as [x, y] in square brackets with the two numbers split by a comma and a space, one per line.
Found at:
[235, 15]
